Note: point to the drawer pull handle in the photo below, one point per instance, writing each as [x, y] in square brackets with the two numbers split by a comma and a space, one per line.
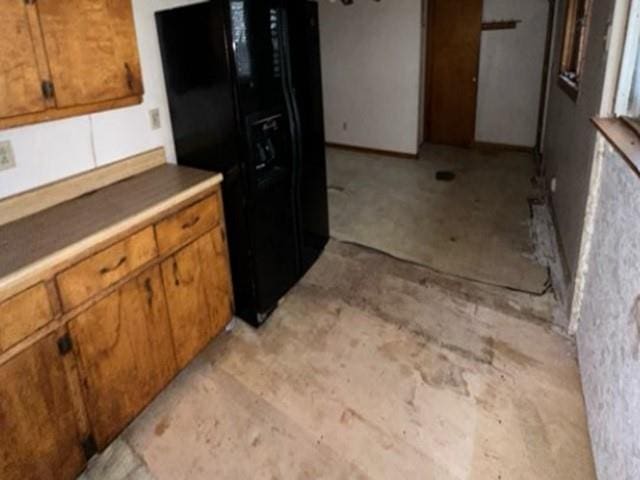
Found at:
[191, 223]
[105, 270]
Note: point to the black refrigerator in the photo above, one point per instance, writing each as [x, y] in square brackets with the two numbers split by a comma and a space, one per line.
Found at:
[244, 84]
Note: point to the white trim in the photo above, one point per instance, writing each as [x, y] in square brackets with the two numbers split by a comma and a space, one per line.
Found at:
[616, 40]
[587, 236]
[629, 59]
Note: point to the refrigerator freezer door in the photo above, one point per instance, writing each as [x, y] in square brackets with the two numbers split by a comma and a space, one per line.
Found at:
[307, 85]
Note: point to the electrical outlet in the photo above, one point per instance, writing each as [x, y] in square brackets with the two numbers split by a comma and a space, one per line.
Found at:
[7, 160]
[154, 117]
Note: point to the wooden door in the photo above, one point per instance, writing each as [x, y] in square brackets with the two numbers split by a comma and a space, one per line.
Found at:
[197, 282]
[453, 56]
[92, 50]
[39, 437]
[20, 77]
[125, 352]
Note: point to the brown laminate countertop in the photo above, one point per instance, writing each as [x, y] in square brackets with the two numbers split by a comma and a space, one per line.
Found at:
[30, 240]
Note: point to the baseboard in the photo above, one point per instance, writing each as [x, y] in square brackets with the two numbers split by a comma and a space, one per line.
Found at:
[493, 147]
[373, 151]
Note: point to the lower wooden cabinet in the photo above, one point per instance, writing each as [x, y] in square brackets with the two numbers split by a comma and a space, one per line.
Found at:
[87, 348]
[199, 297]
[38, 429]
[23, 314]
[124, 347]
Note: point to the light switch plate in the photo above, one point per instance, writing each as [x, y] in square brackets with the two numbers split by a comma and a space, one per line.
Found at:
[154, 118]
[7, 160]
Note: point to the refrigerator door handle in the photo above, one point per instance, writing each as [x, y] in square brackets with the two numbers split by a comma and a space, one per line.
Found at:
[296, 132]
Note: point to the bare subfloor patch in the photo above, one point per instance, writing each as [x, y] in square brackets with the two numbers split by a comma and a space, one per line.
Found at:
[371, 368]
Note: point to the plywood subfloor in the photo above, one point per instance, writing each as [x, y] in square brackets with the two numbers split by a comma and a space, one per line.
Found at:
[371, 368]
[475, 226]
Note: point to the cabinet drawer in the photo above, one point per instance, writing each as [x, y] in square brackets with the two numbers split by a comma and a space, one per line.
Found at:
[23, 314]
[188, 224]
[96, 273]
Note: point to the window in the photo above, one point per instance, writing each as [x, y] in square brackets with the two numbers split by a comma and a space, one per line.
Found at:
[576, 28]
[628, 99]
[623, 130]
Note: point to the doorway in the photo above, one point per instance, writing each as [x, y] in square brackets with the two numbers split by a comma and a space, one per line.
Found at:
[453, 55]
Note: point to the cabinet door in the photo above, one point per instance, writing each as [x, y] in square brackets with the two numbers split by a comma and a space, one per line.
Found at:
[125, 351]
[197, 283]
[20, 79]
[92, 50]
[39, 437]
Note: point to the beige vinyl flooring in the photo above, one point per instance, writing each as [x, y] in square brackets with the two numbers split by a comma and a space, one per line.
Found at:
[475, 226]
[371, 368]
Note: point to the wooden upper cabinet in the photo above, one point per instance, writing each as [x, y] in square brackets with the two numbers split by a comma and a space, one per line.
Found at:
[39, 435]
[66, 58]
[92, 50]
[20, 78]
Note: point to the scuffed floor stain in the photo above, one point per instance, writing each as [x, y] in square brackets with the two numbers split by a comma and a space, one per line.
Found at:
[534, 431]
[162, 427]
[348, 415]
[514, 355]
[447, 376]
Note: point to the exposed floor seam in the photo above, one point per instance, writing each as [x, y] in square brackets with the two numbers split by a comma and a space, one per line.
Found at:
[547, 289]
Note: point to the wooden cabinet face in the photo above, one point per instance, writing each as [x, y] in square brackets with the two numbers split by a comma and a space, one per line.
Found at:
[197, 283]
[39, 437]
[20, 79]
[92, 50]
[188, 224]
[125, 352]
[23, 314]
[96, 273]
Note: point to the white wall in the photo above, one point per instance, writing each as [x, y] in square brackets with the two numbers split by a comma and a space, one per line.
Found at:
[50, 151]
[371, 57]
[372, 54]
[510, 73]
